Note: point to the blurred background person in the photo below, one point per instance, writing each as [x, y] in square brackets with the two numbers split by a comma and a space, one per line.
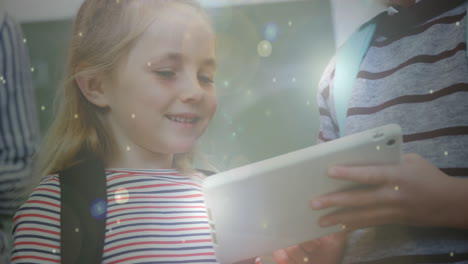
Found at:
[19, 127]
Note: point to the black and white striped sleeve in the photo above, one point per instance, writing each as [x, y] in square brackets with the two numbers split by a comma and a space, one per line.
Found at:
[19, 127]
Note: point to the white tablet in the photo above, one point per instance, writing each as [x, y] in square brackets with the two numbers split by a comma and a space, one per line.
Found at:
[264, 206]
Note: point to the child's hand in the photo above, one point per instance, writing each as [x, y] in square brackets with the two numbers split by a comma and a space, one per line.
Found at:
[325, 250]
[412, 193]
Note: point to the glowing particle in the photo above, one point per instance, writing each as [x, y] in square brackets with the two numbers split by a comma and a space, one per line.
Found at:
[228, 118]
[249, 92]
[264, 48]
[128, 148]
[431, 91]
[446, 153]
[274, 79]
[54, 251]
[293, 79]
[80, 34]
[226, 83]
[25, 40]
[452, 254]
[270, 31]
[458, 23]
[32, 69]
[117, 1]
[343, 227]
[378, 147]
[76, 116]
[290, 23]
[42, 108]
[148, 64]
[234, 134]
[1, 78]
[396, 188]
[4, 81]
[133, 116]
[121, 196]
[77, 230]
[306, 259]
[98, 208]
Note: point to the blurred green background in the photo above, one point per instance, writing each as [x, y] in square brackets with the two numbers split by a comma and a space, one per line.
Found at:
[270, 60]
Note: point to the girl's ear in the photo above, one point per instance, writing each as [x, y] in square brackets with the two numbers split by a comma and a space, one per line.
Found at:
[92, 87]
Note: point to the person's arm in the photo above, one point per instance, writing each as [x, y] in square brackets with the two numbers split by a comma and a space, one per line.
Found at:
[413, 193]
[19, 127]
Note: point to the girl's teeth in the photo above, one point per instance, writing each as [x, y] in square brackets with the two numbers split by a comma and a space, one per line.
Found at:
[181, 119]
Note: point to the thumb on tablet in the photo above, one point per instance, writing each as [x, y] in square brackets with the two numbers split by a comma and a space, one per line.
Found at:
[324, 250]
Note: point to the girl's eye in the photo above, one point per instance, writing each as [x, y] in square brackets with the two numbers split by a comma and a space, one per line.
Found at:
[205, 79]
[166, 73]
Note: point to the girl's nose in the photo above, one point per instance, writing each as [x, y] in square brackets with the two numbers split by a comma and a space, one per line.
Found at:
[191, 91]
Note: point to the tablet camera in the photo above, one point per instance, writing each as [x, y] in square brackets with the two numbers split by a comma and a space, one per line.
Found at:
[378, 135]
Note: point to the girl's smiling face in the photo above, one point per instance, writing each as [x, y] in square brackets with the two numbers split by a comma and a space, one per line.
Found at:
[162, 97]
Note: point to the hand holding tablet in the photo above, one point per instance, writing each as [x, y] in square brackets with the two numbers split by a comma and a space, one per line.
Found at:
[264, 206]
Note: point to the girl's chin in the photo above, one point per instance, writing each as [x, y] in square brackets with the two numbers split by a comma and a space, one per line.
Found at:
[182, 147]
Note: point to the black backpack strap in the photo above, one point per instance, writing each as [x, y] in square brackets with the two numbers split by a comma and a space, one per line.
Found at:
[83, 212]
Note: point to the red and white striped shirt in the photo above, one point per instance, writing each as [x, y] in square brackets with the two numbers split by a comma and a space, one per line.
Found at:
[154, 216]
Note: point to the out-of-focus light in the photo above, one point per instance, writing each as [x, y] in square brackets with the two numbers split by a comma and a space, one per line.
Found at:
[270, 31]
[99, 208]
[121, 196]
[264, 48]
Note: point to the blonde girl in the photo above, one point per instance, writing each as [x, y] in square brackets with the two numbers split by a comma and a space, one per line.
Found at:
[139, 92]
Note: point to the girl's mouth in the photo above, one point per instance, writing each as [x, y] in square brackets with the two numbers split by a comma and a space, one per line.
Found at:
[184, 119]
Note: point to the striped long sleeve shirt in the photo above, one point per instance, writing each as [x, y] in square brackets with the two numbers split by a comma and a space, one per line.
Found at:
[19, 127]
[153, 216]
[414, 74]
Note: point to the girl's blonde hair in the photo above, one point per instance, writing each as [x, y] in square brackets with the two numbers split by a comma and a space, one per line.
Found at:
[103, 33]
